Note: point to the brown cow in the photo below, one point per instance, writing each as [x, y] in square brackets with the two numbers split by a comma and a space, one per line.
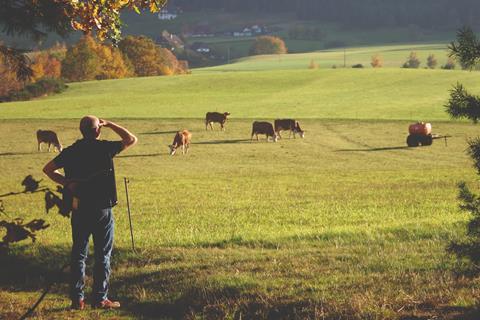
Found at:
[212, 117]
[50, 137]
[290, 125]
[182, 139]
[266, 128]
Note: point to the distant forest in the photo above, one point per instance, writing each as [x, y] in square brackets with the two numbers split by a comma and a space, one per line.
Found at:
[436, 14]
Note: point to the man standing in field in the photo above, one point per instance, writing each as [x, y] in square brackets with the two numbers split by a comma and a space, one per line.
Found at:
[90, 178]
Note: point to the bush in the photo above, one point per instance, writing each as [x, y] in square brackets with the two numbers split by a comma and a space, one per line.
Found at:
[412, 61]
[313, 65]
[22, 95]
[377, 61]
[432, 62]
[449, 65]
[40, 88]
[268, 45]
[357, 66]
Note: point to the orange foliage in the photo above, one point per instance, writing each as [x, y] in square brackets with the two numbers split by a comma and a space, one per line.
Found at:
[89, 60]
[9, 81]
[377, 61]
[148, 59]
[268, 45]
[45, 66]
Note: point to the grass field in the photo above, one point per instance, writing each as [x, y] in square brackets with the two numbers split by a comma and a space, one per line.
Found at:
[347, 223]
[388, 93]
[393, 56]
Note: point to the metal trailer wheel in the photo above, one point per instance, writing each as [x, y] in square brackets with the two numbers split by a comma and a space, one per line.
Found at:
[427, 140]
[412, 141]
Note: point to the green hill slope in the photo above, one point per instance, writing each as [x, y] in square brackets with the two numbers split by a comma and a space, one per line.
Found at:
[340, 93]
[393, 56]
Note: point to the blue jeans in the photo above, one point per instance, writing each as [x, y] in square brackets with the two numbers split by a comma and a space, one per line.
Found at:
[99, 224]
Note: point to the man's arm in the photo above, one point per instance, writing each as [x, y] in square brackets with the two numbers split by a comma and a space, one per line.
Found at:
[128, 139]
[51, 170]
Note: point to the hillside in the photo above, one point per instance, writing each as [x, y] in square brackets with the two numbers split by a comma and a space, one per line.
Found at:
[290, 91]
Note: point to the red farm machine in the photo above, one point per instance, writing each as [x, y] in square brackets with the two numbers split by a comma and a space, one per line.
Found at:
[420, 133]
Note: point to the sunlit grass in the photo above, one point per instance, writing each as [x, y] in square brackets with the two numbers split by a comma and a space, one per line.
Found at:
[347, 220]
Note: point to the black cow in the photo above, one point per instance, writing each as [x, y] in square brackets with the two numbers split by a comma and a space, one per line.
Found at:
[265, 128]
[290, 125]
[211, 117]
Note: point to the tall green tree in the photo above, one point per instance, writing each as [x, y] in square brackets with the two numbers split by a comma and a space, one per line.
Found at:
[462, 104]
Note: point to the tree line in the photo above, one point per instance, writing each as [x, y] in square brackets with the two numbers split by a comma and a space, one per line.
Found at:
[439, 14]
[88, 59]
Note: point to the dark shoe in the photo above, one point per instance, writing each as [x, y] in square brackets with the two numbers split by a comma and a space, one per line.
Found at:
[78, 304]
[107, 304]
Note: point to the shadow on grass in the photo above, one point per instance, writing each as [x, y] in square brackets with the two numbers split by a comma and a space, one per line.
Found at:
[170, 284]
[375, 149]
[446, 313]
[159, 132]
[142, 155]
[11, 154]
[232, 141]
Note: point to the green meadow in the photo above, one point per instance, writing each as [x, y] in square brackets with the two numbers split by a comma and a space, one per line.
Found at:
[347, 223]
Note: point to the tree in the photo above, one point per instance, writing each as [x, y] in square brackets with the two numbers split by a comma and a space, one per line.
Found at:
[268, 45]
[412, 61]
[45, 65]
[377, 61]
[112, 63]
[9, 81]
[466, 49]
[89, 60]
[465, 105]
[81, 61]
[432, 61]
[33, 18]
[147, 58]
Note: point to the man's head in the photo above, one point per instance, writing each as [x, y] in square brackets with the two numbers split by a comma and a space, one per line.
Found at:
[90, 127]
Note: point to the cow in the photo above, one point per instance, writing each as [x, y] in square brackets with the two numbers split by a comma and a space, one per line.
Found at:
[266, 128]
[182, 139]
[212, 117]
[50, 137]
[290, 125]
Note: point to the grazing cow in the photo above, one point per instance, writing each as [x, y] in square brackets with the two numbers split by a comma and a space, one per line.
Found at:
[265, 128]
[212, 117]
[290, 125]
[182, 139]
[50, 137]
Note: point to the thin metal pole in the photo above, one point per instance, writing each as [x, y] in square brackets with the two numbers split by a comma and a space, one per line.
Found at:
[129, 215]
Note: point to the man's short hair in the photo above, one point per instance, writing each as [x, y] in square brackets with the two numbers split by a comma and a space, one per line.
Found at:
[89, 126]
